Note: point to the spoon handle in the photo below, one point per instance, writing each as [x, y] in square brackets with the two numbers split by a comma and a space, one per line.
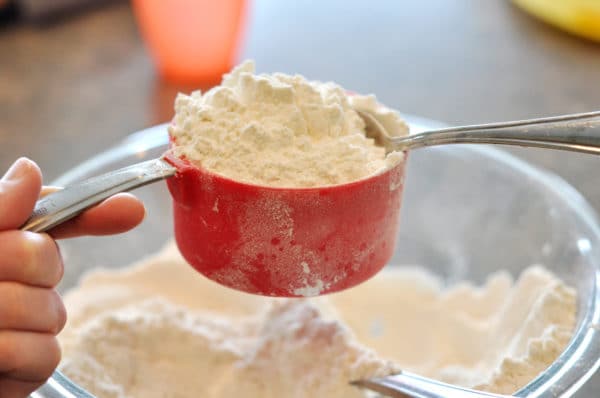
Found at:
[577, 132]
[409, 385]
[66, 203]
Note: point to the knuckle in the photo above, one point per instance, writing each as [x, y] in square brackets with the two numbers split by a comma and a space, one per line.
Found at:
[31, 308]
[61, 313]
[41, 258]
[51, 312]
[52, 356]
[10, 358]
[28, 358]
[31, 254]
[52, 260]
[13, 304]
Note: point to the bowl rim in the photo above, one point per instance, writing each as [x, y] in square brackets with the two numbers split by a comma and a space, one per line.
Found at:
[574, 366]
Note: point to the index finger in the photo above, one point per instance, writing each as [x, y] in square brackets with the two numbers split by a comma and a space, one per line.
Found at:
[117, 214]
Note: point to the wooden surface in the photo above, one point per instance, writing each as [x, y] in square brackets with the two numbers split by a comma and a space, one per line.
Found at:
[72, 90]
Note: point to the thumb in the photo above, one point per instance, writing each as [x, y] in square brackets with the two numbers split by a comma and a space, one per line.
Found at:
[19, 190]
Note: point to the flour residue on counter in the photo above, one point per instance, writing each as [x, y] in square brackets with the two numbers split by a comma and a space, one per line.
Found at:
[157, 328]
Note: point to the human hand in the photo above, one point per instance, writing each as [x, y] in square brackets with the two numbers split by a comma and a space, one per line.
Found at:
[31, 311]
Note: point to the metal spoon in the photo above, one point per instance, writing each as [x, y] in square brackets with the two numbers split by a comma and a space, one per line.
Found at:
[579, 132]
[405, 385]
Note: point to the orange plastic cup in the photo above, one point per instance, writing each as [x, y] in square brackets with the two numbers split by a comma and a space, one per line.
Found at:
[191, 41]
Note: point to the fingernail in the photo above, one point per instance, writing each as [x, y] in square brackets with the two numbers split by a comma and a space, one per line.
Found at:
[17, 170]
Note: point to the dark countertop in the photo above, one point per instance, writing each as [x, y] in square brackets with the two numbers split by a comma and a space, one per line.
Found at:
[71, 90]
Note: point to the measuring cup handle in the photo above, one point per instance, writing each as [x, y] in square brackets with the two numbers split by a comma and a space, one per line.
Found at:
[66, 203]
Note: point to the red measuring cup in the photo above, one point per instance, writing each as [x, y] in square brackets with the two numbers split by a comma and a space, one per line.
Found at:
[286, 242]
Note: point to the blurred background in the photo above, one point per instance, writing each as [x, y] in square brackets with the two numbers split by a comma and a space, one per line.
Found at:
[76, 76]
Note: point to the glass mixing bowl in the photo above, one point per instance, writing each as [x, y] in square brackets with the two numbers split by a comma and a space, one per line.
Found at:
[467, 211]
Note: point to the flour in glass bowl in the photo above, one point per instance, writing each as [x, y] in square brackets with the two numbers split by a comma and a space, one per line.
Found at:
[157, 329]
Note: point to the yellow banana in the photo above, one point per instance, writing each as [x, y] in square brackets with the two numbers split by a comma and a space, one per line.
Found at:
[580, 17]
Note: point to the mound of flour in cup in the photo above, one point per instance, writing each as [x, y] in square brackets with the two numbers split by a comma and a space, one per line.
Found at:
[281, 131]
[157, 329]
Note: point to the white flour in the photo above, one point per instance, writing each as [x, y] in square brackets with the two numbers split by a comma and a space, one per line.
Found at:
[281, 131]
[158, 329]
